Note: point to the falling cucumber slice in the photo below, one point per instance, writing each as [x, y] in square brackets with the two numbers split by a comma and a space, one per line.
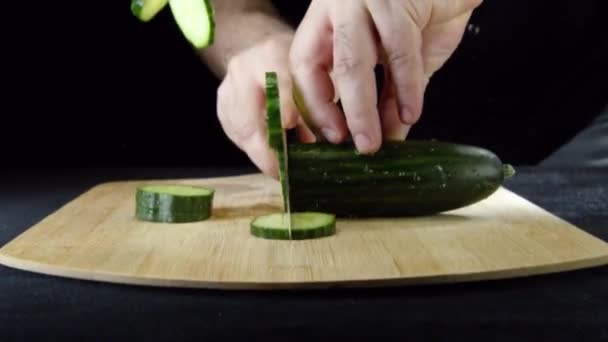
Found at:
[273, 112]
[146, 10]
[173, 203]
[305, 225]
[274, 125]
[195, 19]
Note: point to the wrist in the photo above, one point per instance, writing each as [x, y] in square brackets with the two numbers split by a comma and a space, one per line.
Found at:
[241, 31]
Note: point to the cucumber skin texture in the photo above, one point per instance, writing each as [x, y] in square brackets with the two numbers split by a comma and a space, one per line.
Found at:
[274, 125]
[273, 112]
[410, 178]
[160, 207]
[169, 216]
[167, 202]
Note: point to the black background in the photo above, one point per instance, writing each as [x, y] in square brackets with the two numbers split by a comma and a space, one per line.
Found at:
[86, 84]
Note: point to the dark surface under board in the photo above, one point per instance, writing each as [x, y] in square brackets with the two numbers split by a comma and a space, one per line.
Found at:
[568, 306]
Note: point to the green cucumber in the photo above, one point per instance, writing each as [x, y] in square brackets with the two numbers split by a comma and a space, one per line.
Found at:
[196, 20]
[146, 10]
[274, 125]
[173, 203]
[273, 112]
[305, 225]
[409, 178]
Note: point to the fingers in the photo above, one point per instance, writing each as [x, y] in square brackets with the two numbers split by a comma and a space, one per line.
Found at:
[262, 156]
[240, 109]
[310, 60]
[401, 40]
[305, 134]
[392, 127]
[355, 57]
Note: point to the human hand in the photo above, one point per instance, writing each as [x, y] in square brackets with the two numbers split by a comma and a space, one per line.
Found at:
[241, 103]
[346, 40]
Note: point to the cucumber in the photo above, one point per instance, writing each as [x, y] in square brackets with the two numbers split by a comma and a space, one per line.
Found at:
[273, 112]
[274, 125]
[169, 216]
[196, 20]
[409, 178]
[305, 225]
[173, 203]
[146, 10]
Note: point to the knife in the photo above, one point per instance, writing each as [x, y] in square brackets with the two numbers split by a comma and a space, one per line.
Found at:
[284, 175]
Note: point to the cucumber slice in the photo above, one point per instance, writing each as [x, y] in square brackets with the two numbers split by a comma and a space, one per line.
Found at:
[273, 112]
[305, 225]
[173, 203]
[196, 20]
[145, 10]
[275, 131]
[169, 216]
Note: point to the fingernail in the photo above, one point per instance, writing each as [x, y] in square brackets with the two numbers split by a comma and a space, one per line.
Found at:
[330, 135]
[363, 142]
[406, 116]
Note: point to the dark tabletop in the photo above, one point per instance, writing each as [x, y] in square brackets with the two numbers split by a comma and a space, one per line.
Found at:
[570, 306]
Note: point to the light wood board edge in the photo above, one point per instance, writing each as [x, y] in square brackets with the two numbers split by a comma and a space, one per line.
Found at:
[520, 272]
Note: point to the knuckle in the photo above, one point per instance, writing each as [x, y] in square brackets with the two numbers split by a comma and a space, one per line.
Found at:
[346, 64]
[272, 45]
[342, 35]
[243, 127]
[345, 60]
[238, 126]
[398, 57]
[234, 64]
[419, 11]
[358, 118]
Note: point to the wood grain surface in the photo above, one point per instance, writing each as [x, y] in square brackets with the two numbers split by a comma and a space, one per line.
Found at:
[96, 237]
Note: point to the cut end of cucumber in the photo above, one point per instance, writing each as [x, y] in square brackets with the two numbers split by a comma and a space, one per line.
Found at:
[196, 20]
[145, 10]
[305, 225]
[508, 171]
[178, 190]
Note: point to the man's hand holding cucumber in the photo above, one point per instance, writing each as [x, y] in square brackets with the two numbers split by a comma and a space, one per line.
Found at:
[331, 55]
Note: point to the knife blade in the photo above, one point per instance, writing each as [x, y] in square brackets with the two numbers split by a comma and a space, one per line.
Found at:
[284, 161]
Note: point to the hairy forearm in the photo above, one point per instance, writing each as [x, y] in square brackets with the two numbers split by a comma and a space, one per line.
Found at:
[239, 25]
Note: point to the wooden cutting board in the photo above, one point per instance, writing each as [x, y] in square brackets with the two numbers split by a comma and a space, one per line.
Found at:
[96, 237]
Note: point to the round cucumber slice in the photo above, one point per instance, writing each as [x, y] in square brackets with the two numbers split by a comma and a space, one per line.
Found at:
[196, 20]
[168, 216]
[173, 203]
[305, 225]
[146, 10]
